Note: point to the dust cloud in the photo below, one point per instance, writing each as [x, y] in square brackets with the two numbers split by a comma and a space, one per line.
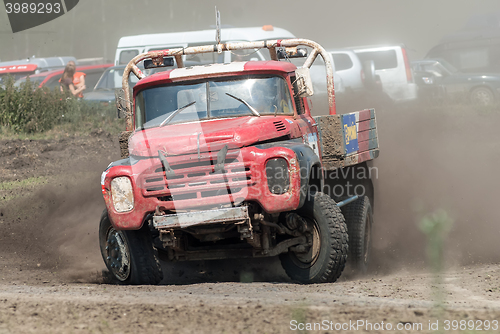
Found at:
[431, 157]
[57, 228]
[93, 27]
[436, 157]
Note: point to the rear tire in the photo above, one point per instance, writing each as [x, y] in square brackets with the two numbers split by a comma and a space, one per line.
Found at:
[359, 220]
[129, 255]
[326, 258]
[482, 96]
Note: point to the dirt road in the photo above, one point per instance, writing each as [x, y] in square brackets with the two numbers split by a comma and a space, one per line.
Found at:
[50, 266]
[42, 302]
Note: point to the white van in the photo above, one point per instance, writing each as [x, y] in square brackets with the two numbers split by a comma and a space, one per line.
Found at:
[131, 46]
[390, 65]
[349, 68]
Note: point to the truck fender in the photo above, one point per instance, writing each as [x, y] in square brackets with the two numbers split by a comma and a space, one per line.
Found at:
[121, 162]
[309, 163]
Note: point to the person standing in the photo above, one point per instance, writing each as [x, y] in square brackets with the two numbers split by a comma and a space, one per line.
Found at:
[72, 80]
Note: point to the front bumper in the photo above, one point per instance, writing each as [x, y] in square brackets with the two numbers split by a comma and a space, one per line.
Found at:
[205, 217]
[196, 187]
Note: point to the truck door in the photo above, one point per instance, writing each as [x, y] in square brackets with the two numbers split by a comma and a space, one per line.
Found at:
[304, 121]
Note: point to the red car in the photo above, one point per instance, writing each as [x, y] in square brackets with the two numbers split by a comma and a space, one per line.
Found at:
[50, 79]
[24, 67]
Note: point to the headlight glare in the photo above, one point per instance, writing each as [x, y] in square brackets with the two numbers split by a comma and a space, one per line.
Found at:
[428, 80]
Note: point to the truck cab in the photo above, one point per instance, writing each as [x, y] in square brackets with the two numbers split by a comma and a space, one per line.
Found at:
[226, 161]
[249, 113]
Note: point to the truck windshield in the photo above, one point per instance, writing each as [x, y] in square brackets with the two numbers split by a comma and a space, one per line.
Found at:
[267, 95]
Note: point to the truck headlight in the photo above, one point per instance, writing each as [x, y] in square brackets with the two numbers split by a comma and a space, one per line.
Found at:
[278, 179]
[122, 194]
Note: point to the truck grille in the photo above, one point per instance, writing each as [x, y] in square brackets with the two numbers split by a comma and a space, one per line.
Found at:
[196, 180]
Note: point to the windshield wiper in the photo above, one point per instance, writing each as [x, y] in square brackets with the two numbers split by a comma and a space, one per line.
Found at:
[175, 112]
[252, 109]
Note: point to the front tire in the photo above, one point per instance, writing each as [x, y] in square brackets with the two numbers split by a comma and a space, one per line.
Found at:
[326, 257]
[129, 255]
[359, 219]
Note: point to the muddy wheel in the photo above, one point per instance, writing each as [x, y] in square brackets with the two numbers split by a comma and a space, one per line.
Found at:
[129, 255]
[482, 96]
[326, 255]
[359, 219]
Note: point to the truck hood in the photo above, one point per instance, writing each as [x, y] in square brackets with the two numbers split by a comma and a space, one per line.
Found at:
[210, 135]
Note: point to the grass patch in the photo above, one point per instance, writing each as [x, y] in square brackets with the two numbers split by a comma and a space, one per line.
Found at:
[29, 182]
[84, 127]
[299, 316]
[29, 112]
[7, 188]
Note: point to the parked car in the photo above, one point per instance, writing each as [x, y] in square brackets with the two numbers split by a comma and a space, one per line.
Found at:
[440, 79]
[24, 67]
[348, 67]
[389, 66]
[319, 101]
[110, 80]
[50, 79]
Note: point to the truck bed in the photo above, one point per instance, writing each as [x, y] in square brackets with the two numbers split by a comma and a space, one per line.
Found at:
[348, 139]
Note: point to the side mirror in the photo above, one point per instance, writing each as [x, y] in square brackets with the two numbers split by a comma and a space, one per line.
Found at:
[304, 82]
[292, 52]
[154, 63]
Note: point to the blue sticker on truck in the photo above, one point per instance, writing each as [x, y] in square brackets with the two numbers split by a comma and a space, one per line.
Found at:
[350, 133]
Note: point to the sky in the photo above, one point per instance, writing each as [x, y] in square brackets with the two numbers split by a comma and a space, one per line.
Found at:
[93, 27]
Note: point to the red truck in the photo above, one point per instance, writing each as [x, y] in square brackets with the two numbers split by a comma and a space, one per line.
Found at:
[225, 161]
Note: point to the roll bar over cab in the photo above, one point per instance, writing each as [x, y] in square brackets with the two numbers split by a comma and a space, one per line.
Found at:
[131, 46]
[226, 161]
